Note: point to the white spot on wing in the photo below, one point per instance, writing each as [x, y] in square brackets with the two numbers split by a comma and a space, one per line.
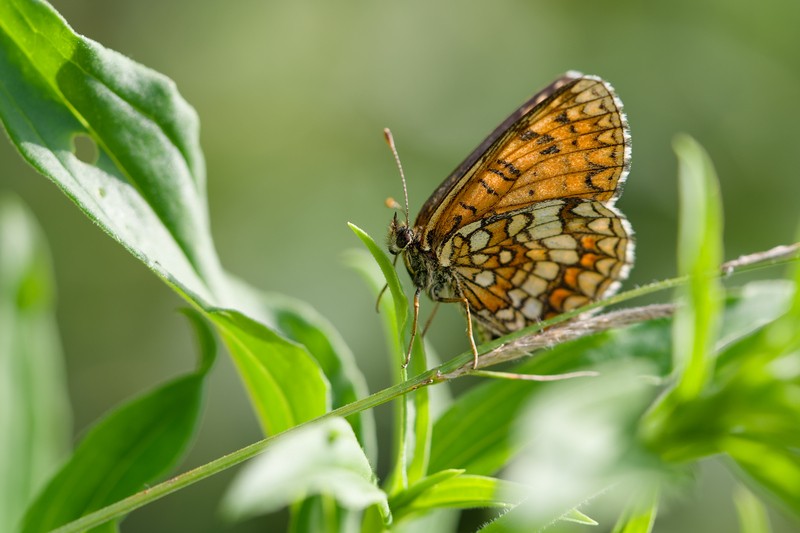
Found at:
[565, 257]
[546, 270]
[560, 242]
[485, 278]
[534, 285]
[601, 226]
[479, 239]
[532, 308]
[517, 223]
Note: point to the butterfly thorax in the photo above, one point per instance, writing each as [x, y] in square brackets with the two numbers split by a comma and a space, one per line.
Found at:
[422, 264]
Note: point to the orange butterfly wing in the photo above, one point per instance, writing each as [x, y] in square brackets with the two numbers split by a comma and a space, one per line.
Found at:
[570, 140]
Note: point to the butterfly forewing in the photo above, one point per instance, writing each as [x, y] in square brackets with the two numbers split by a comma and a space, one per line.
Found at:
[572, 143]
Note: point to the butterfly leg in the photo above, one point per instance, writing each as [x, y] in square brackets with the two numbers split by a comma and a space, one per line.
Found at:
[413, 327]
[463, 300]
[430, 319]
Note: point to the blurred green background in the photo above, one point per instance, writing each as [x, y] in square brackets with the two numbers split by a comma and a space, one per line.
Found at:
[292, 97]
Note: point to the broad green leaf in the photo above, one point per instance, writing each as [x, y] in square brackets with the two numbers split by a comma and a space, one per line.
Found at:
[130, 447]
[699, 257]
[299, 322]
[147, 188]
[322, 458]
[753, 306]
[34, 406]
[286, 385]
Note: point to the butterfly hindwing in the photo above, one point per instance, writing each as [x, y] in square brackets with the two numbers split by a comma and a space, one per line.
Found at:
[526, 265]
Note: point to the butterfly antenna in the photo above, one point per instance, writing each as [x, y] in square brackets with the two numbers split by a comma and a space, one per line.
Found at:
[387, 134]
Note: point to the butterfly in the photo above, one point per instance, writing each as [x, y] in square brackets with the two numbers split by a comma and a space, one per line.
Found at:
[525, 228]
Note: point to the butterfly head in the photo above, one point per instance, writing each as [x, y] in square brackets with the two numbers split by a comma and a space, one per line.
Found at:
[400, 236]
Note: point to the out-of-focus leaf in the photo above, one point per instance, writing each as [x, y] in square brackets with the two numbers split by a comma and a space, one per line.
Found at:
[753, 517]
[287, 386]
[474, 433]
[34, 406]
[323, 458]
[459, 492]
[753, 306]
[579, 438]
[751, 412]
[504, 523]
[696, 322]
[640, 514]
[129, 448]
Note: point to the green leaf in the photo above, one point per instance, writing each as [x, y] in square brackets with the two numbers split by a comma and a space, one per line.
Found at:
[403, 498]
[580, 438]
[453, 489]
[699, 257]
[130, 447]
[753, 517]
[474, 433]
[299, 322]
[505, 523]
[286, 385]
[389, 273]
[322, 458]
[147, 190]
[640, 515]
[34, 406]
[413, 419]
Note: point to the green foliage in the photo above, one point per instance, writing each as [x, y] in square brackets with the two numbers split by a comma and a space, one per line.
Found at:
[128, 448]
[720, 379]
[34, 411]
[323, 458]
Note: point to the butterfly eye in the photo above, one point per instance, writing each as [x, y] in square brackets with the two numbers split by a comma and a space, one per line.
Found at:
[400, 236]
[403, 237]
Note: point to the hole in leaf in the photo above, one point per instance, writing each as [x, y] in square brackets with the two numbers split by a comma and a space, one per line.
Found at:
[85, 148]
